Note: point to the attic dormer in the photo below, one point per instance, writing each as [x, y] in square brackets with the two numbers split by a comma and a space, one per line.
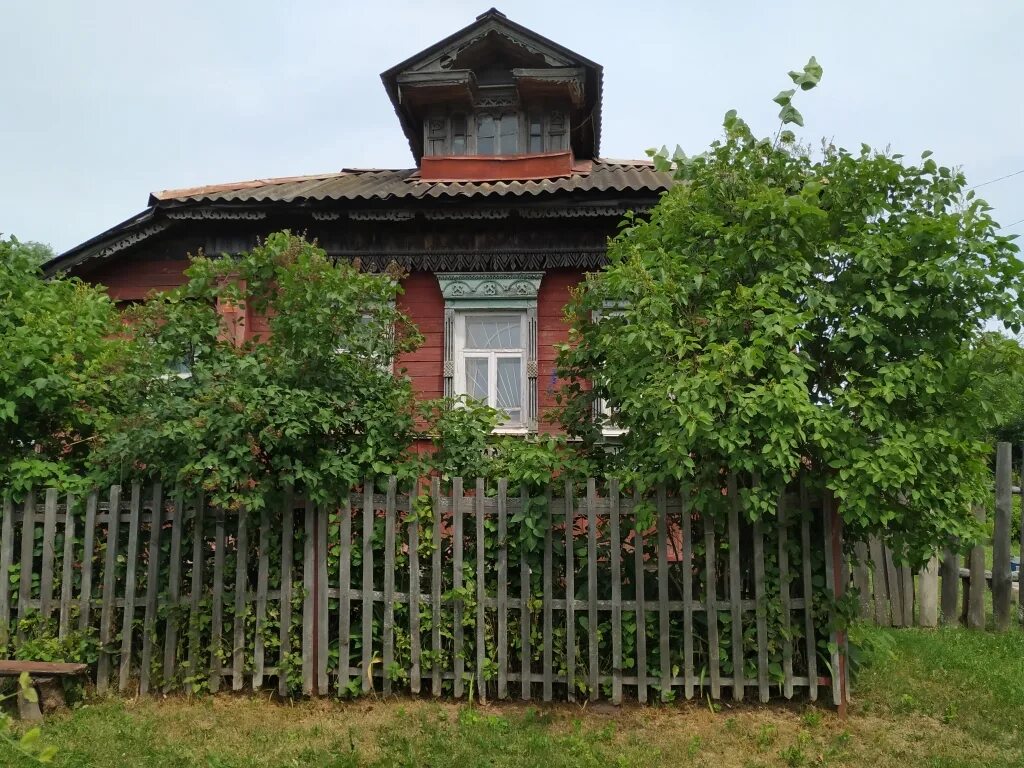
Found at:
[496, 101]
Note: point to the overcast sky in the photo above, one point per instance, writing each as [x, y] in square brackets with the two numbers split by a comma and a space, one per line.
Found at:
[103, 102]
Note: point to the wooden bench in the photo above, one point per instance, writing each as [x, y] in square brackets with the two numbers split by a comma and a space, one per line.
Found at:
[47, 678]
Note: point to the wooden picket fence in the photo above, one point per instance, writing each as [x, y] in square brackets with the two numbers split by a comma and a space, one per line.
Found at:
[480, 593]
[893, 595]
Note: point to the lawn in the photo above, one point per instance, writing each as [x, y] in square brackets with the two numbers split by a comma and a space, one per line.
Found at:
[927, 698]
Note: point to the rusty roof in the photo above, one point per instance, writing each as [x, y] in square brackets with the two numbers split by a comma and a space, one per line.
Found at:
[374, 184]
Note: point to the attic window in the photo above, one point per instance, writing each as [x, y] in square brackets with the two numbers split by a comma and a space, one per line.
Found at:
[497, 134]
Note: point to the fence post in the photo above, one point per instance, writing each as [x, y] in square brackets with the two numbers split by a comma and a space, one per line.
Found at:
[929, 592]
[1001, 539]
[976, 588]
[950, 586]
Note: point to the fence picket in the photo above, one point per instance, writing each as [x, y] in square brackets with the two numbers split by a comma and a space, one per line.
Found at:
[762, 622]
[593, 621]
[388, 629]
[481, 593]
[217, 621]
[309, 597]
[805, 556]
[66, 568]
[241, 588]
[735, 593]
[435, 590]
[28, 540]
[345, 596]
[525, 656]
[879, 582]
[570, 593]
[131, 565]
[711, 607]
[861, 579]
[415, 679]
[284, 630]
[687, 545]
[928, 580]
[195, 594]
[88, 543]
[502, 597]
[259, 649]
[367, 585]
[152, 585]
[548, 587]
[895, 582]
[49, 535]
[664, 649]
[830, 567]
[458, 606]
[322, 619]
[109, 582]
[641, 612]
[173, 595]
[615, 558]
[6, 559]
[782, 515]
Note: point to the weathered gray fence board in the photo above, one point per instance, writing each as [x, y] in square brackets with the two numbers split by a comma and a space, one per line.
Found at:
[217, 621]
[458, 604]
[109, 582]
[49, 535]
[664, 650]
[435, 588]
[287, 543]
[762, 622]
[196, 591]
[152, 587]
[547, 689]
[88, 548]
[415, 679]
[502, 594]
[785, 601]
[309, 596]
[526, 653]
[388, 629]
[976, 591]
[367, 584]
[735, 594]
[808, 584]
[570, 593]
[710, 603]
[173, 596]
[66, 569]
[592, 618]
[6, 559]
[241, 587]
[687, 545]
[345, 596]
[262, 577]
[616, 579]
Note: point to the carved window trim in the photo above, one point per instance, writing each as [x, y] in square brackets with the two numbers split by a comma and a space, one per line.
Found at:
[501, 293]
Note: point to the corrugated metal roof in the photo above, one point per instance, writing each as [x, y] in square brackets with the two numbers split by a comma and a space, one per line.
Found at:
[377, 184]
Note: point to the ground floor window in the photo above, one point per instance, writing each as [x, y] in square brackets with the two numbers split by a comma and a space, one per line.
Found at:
[491, 342]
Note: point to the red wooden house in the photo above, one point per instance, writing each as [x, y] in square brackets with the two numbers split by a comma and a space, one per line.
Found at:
[507, 207]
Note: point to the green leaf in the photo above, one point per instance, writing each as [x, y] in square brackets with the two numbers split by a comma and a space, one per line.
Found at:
[784, 98]
[789, 114]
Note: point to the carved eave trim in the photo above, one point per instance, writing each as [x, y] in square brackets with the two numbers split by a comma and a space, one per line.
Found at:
[214, 214]
[127, 241]
[569, 81]
[493, 290]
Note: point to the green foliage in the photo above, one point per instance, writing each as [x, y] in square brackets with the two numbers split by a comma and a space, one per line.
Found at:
[784, 309]
[58, 364]
[312, 403]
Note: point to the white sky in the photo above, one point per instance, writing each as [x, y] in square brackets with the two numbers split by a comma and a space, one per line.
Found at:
[102, 102]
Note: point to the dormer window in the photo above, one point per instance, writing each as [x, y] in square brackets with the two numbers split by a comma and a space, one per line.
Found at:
[493, 133]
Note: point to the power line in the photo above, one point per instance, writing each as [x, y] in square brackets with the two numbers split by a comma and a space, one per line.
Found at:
[1018, 221]
[993, 181]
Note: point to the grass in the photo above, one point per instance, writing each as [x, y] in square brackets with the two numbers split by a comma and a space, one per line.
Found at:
[926, 698]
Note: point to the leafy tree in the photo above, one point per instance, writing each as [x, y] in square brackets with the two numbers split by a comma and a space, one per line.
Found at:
[784, 308]
[313, 405]
[38, 253]
[59, 355]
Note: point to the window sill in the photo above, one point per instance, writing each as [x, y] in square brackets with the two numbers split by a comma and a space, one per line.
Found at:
[521, 431]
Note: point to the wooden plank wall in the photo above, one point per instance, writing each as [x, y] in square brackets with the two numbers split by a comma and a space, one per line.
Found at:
[478, 591]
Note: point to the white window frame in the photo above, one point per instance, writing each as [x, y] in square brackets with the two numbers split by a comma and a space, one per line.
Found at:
[601, 406]
[461, 353]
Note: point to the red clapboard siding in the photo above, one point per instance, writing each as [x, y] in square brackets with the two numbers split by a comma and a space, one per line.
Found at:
[423, 303]
[555, 292]
[132, 280]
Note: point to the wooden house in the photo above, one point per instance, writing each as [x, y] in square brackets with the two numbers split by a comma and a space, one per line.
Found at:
[507, 207]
